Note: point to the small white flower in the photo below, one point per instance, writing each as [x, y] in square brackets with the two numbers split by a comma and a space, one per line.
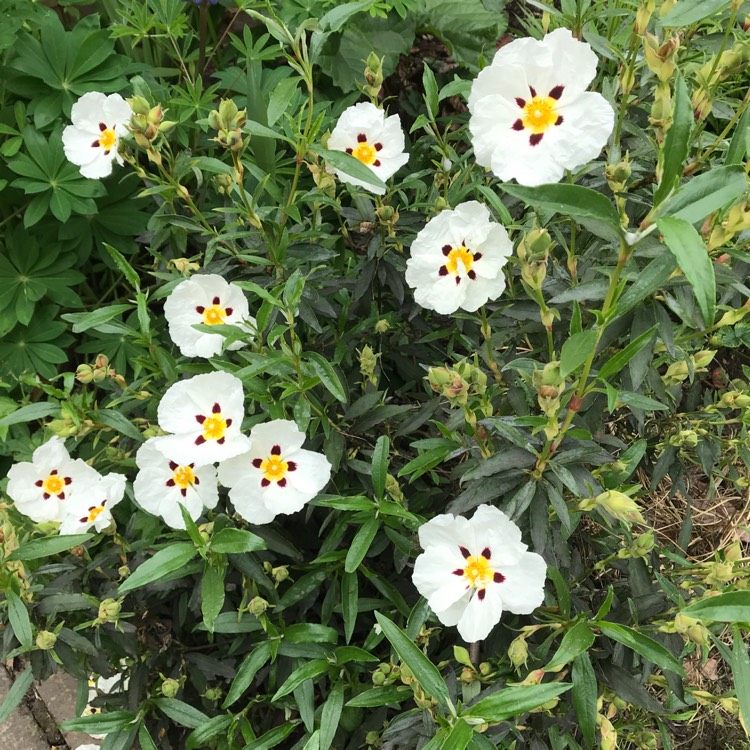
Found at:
[44, 488]
[161, 484]
[471, 570]
[531, 116]
[276, 475]
[457, 260]
[377, 141]
[205, 414]
[92, 140]
[96, 508]
[102, 686]
[210, 300]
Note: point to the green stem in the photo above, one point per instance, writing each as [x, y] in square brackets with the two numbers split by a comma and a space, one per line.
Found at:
[487, 333]
[629, 66]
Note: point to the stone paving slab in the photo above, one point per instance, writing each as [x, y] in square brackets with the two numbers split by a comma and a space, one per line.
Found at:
[19, 731]
[59, 695]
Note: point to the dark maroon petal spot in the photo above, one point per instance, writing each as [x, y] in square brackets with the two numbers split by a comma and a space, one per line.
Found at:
[458, 280]
[104, 502]
[498, 577]
[477, 256]
[95, 144]
[39, 483]
[447, 250]
[265, 482]
[518, 125]
[481, 594]
[487, 553]
[61, 496]
[200, 309]
[196, 480]
[559, 120]
[458, 572]
[183, 491]
[85, 519]
[465, 552]
[472, 275]
[443, 271]
[257, 462]
[216, 409]
[215, 301]
[520, 102]
[199, 418]
[276, 450]
[291, 466]
[281, 482]
[556, 92]
[220, 441]
[229, 310]
[67, 480]
[532, 90]
[200, 440]
[170, 482]
[192, 465]
[535, 138]
[106, 153]
[92, 507]
[361, 138]
[378, 146]
[229, 422]
[173, 465]
[53, 472]
[376, 163]
[350, 151]
[46, 495]
[102, 127]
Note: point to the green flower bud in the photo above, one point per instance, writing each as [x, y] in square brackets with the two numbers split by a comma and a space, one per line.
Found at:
[84, 373]
[45, 640]
[257, 606]
[109, 610]
[170, 687]
[123, 571]
[393, 488]
[213, 694]
[620, 506]
[139, 105]
[227, 110]
[518, 652]
[378, 678]
[281, 573]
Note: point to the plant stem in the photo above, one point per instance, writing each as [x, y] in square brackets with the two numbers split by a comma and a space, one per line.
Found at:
[487, 333]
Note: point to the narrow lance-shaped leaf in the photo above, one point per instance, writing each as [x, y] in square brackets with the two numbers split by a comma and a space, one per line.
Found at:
[647, 647]
[676, 141]
[163, 563]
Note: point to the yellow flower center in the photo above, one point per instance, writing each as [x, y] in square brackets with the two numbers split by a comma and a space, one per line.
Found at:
[457, 254]
[107, 139]
[184, 476]
[94, 513]
[53, 484]
[477, 571]
[214, 427]
[365, 152]
[274, 468]
[214, 315]
[539, 114]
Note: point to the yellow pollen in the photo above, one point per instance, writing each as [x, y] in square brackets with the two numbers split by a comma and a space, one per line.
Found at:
[184, 476]
[539, 114]
[457, 254]
[477, 571]
[53, 484]
[214, 315]
[95, 512]
[107, 139]
[214, 427]
[274, 468]
[365, 153]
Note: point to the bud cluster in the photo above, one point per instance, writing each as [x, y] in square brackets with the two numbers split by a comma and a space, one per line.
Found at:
[228, 120]
[99, 372]
[373, 76]
[677, 372]
[147, 123]
[736, 220]
[458, 383]
[533, 252]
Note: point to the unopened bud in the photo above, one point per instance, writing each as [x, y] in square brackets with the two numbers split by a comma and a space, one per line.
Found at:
[257, 606]
[84, 373]
[139, 105]
[170, 687]
[518, 652]
[45, 640]
[620, 506]
[109, 610]
[280, 573]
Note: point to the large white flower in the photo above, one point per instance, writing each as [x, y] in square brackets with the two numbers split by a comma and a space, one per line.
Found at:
[162, 484]
[457, 260]
[471, 570]
[92, 140]
[96, 508]
[276, 475]
[205, 414]
[377, 141]
[44, 488]
[210, 300]
[531, 116]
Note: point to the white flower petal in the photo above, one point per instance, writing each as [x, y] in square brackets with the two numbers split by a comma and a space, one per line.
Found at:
[312, 474]
[434, 578]
[522, 591]
[88, 109]
[481, 615]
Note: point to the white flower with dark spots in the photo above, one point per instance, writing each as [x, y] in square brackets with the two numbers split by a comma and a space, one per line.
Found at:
[210, 300]
[276, 475]
[531, 116]
[44, 488]
[204, 414]
[102, 686]
[92, 141]
[473, 570]
[95, 509]
[457, 260]
[162, 484]
[364, 131]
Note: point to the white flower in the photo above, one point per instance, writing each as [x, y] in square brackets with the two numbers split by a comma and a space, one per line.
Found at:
[92, 140]
[44, 488]
[471, 570]
[161, 484]
[457, 260]
[205, 414]
[277, 475]
[96, 508]
[210, 300]
[102, 686]
[531, 116]
[377, 141]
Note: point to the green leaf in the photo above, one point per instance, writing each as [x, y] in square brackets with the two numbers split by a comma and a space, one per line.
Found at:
[105, 723]
[513, 701]
[120, 423]
[255, 128]
[164, 562]
[738, 146]
[250, 666]
[584, 695]
[430, 90]
[380, 465]
[83, 321]
[691, 253]
[676, 141]
[16, 693]
[181, 712]
[212, 593]
[351, 166]
[330, 715]
[730, 607]
[614, 364]
[653, 276]
[337, 16]
[647, 647]
[145, 739]
[232, 541]
[381, 696]
[307, 671]
[581, 203]
[424, 670]
[200, 736]
[51, 545]
[123, 267]
[459, 738]
[575, 641]
[576, 350]
[328, 377]
[361, 544]
[741, 674]
[19, 619]
[349, 603]
[688, 12]
[30, 412]
[273, 737]
[310, 632]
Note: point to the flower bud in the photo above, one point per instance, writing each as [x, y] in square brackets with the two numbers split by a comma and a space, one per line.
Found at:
[109, 610]
[45, 640]
[485, 668]
[733, 553]
[393, 488]
[280, 573]
[720, 572]
[607, 733]
[373, 75]
[84, 373]
[643, 16]
[378, 678]
[257, 606]
[684, 439]
[643, 544]
[123, 571]
[170, 687]
[213, 694]
[518, 652]
[368, 361]
[618, 174]
[382, 326]
[407, 676]
[620, 506]
[228, 111]
[139, 105]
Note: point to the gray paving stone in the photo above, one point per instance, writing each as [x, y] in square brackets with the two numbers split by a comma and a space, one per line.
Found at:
[19, 731]
[59, 695]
